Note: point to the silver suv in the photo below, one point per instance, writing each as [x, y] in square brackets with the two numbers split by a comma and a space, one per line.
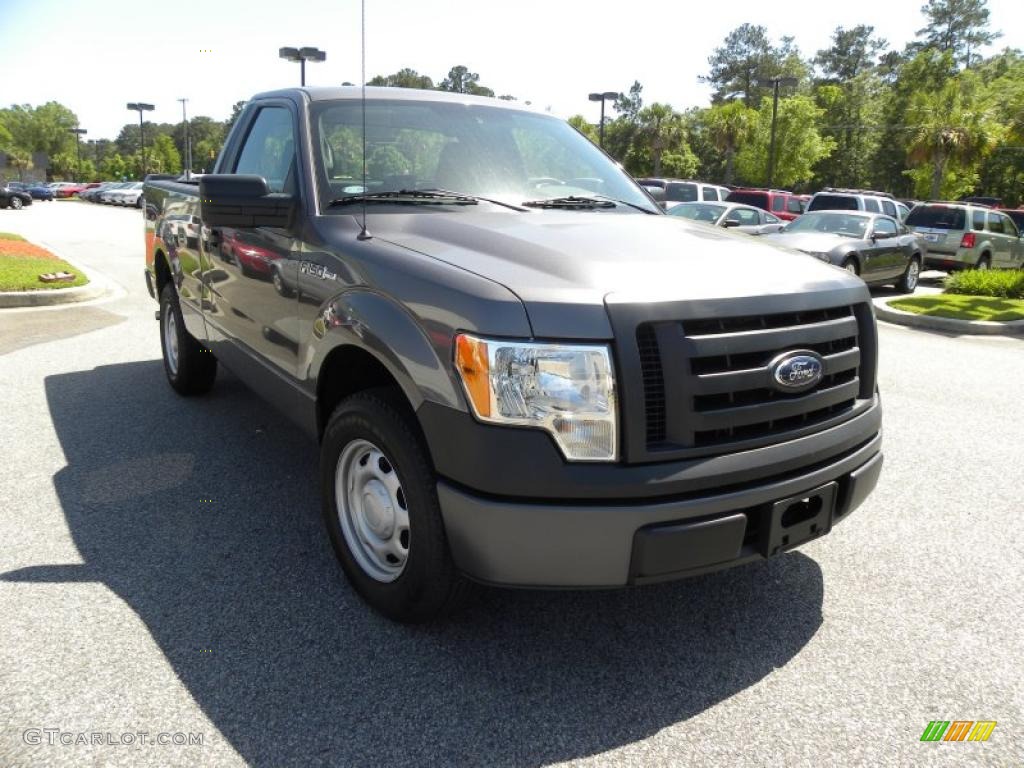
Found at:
[962, 235]
[866, 200]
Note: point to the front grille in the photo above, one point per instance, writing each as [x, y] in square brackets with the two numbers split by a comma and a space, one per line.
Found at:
[707, 382]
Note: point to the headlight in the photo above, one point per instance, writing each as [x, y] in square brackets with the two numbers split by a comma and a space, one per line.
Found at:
[566, 389]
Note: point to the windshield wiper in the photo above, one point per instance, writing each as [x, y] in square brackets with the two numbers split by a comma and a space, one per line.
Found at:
[571, 202]
[473, 197]
[631, 205]
[406, 197]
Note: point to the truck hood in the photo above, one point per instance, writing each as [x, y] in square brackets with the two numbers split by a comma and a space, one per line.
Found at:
[566, 265]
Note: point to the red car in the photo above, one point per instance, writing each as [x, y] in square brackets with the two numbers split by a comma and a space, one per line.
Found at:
[785, 205]
[70, 190]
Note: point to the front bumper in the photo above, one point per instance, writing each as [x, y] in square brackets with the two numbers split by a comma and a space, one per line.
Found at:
[566, 544]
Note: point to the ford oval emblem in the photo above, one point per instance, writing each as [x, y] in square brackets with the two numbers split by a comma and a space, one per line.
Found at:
[796, 371]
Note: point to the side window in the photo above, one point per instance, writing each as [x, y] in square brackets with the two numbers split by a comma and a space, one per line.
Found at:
[978, 220]
[778, 203]
[885, 227]
[747, 217]
[1009, 227]
[793, 205]
[709, 193]
[269, 150]
[870, 204]
[889, 207]
[769, 219]
[995, 222]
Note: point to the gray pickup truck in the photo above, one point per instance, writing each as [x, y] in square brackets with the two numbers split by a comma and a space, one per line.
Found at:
[519, 370]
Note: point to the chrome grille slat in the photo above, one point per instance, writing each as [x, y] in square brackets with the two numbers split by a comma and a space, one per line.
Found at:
[756, 341]
[753, 378]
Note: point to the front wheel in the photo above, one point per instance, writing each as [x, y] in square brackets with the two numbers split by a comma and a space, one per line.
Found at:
[16, 203]
[850, 265]
[190, 367]
[908, 282]
[381, 511]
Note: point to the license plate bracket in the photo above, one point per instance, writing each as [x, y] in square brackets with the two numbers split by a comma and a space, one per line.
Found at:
[790, 522]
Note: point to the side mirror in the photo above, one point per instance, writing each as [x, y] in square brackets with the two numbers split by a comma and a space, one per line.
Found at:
[729, 223]
[237, 200]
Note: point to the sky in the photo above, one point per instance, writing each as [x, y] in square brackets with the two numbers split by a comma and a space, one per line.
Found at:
[95, 56]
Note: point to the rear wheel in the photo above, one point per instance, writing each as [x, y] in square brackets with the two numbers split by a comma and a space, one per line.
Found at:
[381, 511]
[908, 282]
[984, 263]
[190, 367]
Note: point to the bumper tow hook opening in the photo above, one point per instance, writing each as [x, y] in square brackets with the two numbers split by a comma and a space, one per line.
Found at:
[801, 511]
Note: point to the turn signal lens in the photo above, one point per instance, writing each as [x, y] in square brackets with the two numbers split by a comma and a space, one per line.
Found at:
[471, 361]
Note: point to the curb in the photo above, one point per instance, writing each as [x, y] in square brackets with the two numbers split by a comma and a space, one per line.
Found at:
[969, 327]
[96, 287]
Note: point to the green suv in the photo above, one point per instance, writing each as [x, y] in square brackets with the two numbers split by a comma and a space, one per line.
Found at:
[962, 236]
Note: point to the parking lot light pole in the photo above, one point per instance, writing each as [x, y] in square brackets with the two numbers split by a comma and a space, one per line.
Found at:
[188, 145]
[140, 108]
[774, 84]
[78, 151]
[302, 55]
[602, 97]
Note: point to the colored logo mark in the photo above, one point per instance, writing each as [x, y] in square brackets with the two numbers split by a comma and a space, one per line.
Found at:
[958, 730]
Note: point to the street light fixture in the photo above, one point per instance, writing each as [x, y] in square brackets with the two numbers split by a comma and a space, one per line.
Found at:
[138, 106]
[602, 97]
[302, 55]
[774, 83]
[188, 144]
[78, 150]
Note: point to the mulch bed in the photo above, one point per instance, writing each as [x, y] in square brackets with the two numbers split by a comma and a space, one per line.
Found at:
[20, 249]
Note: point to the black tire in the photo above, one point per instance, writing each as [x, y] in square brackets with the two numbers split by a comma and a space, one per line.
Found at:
[908, 281]
[279, 284]
[16, 203]
[985, 262]
[196, 368]
[851, 262]
[428, 586]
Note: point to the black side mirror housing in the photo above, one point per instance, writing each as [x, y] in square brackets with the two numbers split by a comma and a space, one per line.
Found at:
[729, 223]
[243, 201]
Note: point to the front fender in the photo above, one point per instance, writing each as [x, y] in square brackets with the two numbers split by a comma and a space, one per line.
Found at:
[384, 329]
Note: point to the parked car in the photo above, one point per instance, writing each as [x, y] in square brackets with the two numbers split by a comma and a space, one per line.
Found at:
[515, 387]
[778, 202]
[70, 189]
[107, 195]
[38, 190]
[743, 218]
[964, 235]
[127, 195]
[869, 201]
[10, 197]
[876, 247]
[93, 193]
[684, 190]
[991, 202]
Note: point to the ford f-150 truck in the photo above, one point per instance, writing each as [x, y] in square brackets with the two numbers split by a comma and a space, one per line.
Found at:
[519, 370]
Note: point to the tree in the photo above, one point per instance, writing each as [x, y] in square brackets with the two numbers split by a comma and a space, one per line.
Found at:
[952, 128]
[579, 122]
[40, 129]
[660, 144]
[461, 80]
[20, 160]
[799, 146]
[403, 78]
[957, 26]
[747, 56]
[729, 126]
[236, 110]
[852, 53]
[162, 156]
[114, 166]
[629, 105]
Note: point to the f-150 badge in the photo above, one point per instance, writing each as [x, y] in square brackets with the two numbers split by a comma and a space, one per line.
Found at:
[316, 270]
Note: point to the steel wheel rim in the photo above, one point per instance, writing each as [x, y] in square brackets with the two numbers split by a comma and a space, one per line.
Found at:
[983, 265]
[851, 268]
[912, 274]
[15, 203]
[372, 510]
[171, 340]
[278, 283]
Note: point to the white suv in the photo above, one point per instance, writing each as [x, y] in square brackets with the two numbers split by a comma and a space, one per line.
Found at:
[865, 200]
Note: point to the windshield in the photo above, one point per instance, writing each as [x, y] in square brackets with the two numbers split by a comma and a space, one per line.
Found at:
[470, 149]
[756, 199]
[834, 223]
[698, 211]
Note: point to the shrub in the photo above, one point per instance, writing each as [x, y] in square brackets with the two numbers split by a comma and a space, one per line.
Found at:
[1002, 284]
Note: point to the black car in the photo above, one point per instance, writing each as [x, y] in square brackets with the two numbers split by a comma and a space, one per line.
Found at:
[10, 197]
[874, 246]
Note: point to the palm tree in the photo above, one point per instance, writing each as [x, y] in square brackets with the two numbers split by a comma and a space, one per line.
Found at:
[952, 124]
[663, 127]
[729, 125]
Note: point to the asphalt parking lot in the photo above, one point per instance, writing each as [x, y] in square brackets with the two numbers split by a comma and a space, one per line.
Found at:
[163, 571]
